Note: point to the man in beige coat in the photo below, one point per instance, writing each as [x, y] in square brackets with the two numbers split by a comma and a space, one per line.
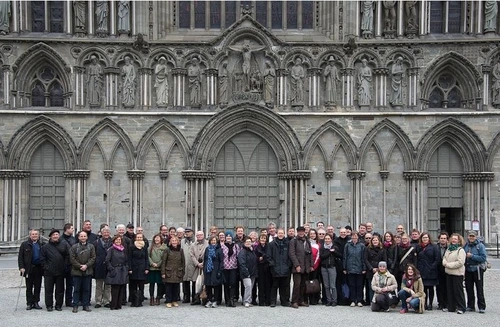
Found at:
[196, 253]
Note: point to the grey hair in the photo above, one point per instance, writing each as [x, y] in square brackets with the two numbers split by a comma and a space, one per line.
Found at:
[120, 226]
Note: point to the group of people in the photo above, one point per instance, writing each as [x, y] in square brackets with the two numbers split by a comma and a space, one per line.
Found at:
[357, 268]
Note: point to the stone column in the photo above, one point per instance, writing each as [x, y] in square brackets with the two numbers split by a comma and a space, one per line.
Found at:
[295, 211]
[112, 18]
[212, 83]
[479, 15]
[378, 20]
[68, 17]
[15, 16]
[6, 84]
[136, 176]
[380, 88]
[314, 75]
[412, 86]
[281, 85]
[416, 192]
[76, 182]
[145, 90]
[356, 177]
[12, 203]
[79, 86]
[400, 18]
[164, 175]
[422, 26]
[90, 15]
[179, 76]
[329, 176]
[486, 69]
[477, 187]
[348, 87]
[111, 85]
[108, 175]
[383, 176]
[199, 183]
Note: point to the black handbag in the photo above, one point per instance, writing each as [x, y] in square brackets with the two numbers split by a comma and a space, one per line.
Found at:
[312, 286]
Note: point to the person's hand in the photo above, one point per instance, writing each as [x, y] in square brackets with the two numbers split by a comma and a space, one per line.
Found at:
[412, 292]
[469, 255]
[332, 250]
[363, 272]
[408, 300]
[375, 270]
[130, 271]
[200, 265]
[261, 258]
[83, 267]
[163, 276]
[312, 268]
[345, 272]
[297, 269]
[22, 271]
[146, 271]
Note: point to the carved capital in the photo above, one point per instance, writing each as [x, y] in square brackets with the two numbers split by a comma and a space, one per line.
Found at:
[415, 174]
[211, 72]
[314, 71]
[412, 71]
[296, 174]
[14, 174]
[381, 71]
[281, 72]
[476, 177]
[328, 174]
[6, 68]
[136, 174]
[108, 174]
[76, 174]
[79, 69]
[197, 174]
[112, 70]
[356, 174]
[384, 174]
[486, 69]
[347, 71]
[164, 174]
[145, 71]
[179, 71]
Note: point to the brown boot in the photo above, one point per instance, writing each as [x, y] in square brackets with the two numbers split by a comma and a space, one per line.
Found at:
[151, 301]
[157, 301]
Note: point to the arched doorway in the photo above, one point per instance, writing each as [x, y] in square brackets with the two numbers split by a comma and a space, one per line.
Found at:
[445, 191]
[47, 189]
[246, 183]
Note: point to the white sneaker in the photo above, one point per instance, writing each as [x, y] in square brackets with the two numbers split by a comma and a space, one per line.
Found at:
[360, 304]
[247, 305]
[353, 304]
[214, 305]
[208, 305]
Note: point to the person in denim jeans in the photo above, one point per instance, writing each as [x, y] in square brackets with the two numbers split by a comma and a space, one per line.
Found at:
[412, 291]
[247, 261]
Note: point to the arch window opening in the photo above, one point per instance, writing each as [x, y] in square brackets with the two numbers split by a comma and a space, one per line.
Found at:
[47, 89]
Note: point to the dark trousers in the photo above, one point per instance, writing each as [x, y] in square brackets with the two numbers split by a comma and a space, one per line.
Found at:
[456, 297]
[230, 284]
[299, 288]
[356, 282]
[471, 278]
[49, 283]
[218, 294]
[172, 292]
[213, 293]
[265, 284]
[136, 289]
[68, 280]
[381, 303]
[81, 292]
[160, 292]
[442, 290]
[283, 284]
[187, 287]
[341, 280]
[117, 296]
[34, 285]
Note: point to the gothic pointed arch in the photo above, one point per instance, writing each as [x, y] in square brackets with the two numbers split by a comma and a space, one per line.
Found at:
[371, 55]
[2, 156]
[91, 138]
[461, 137]
[35, 132]
[246, 117]
[148, 138]
[455, 77]
[401, 140]
[86, 54]
[161, 51]
[346, 143]
[493, 149]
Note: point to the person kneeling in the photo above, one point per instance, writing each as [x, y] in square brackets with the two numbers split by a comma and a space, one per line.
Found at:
[412, 291]
[383, 285]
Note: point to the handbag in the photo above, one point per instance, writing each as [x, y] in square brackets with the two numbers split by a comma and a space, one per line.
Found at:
[199, 283]
[345, 291]
[312, 286]
[203, 294]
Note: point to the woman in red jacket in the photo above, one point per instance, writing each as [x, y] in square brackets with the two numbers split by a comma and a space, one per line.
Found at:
[316, 271]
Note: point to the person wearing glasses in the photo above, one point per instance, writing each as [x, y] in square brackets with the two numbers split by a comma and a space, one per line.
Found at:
[474, 271]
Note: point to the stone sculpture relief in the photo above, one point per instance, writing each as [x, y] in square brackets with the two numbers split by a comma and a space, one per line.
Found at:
[223, 85]
[367, 19]
[331, 77]
[397, 81]
[248, 63]
[194, 79]
[102, 13]
[364, 84]
[496, 85]
[4, 17]
[296, 83]
[129, 83]
[490, 16]
[123, 17]
[94, 82]
[411, 18]
[161, 82]
[80, 9]
[389, 19]
[269, 90]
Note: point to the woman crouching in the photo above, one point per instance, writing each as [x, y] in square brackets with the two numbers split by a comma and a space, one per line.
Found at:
[383, 285]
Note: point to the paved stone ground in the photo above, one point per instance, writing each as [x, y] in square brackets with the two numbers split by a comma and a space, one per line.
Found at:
[187, 315]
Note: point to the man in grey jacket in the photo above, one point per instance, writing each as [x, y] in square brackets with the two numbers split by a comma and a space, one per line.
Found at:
[300, 255]
[82, 257]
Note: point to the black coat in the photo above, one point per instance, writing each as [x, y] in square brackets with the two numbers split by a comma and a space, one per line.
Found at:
[117, 265]
[428, 261]
[340, 243]
[247, 261]
[329, 258]
[25, 255]
[54, 258]
[101, 250]
[277, 254]
[138, 262]
[300, 253]
[215, 277]
[410, 258]
[373, 255]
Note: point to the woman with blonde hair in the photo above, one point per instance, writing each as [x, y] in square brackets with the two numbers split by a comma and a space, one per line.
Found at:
[154, 277]
[454, 266]
[172, 271]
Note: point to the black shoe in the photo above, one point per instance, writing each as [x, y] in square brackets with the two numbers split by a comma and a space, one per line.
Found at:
[97, 306]
[328, 304]
[49, 309]
[198, 302]
[58, 308]
[107, 305]
[75, 310]
[29, 307]
[333, 304]
[185, 301]
[37, 306]
[86, 308]
[273, 305]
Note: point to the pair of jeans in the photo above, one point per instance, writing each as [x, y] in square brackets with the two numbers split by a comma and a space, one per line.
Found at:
[81, 291]
[329, 283]
[248, 283]
[299, 288]
[414, 303]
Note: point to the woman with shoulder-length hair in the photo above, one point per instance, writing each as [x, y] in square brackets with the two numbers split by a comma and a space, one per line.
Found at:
[212, 270]
[172, 271]
[329, 254]
[428, 261]
[230, 252]
[412, 290]
[374, 253]
[139, 268]
[117, 265]
[264, 271]
[154, 277]
[247, 260]
[454, 266]
[392, 251]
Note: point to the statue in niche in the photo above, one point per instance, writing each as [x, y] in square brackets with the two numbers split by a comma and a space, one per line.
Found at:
[248, 63]
[269, 77]
[411, 15]
[255, 82]
[490, 16]
[367, 19]
[398, 74]
[389, 16]
[4, 17]
[496, 85]
[94, 82]
[297, 75]
[194, 78]
[161, 82]
[123, 17]
[80, 9]
[128, 83]
[101, 11]
[238, 81]
[223, 84]
[331, 77]
[364, 84]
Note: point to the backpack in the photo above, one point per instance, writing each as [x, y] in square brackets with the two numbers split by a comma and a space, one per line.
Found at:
[483, 265]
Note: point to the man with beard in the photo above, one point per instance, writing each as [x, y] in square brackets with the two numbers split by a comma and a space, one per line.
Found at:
[54, 257]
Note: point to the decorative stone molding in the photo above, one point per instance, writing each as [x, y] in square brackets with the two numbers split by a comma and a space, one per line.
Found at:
[164, 174]
[347, 71]
[136, 174]
[384, 174]
[484, 176]
[14, 174]
[145, 71]
[314, 71]
[356, 174]
[108, 174]
[415, 174]
[76, 174]
[197, 174]
[381, 71]
[486, 69]
[328, 174]
[297, 174]
[111, 70]
[211, 72]
[179, 71]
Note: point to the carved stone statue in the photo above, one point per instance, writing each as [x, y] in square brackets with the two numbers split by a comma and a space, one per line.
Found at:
[94, 82]
[496, 85]
[223, 85]
[123, 17]
[4, 17]
[269, 77]
[129, 83]
[411, 16]
[367, 19]
[397, 73]
[297, 75]
[80, 9]
[389, 16]
[331, 77]
[490, 16]
[364, 84]
[194, 77]
[248, 62]
[161, 82]
[101, 11]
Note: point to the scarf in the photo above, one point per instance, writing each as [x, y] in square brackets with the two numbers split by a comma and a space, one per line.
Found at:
[387, 244]
[382, 279]
[139, 244]
[409, 280]
[328, 246]
[313, 242]
[404, 246]
[210, 257]
[424, 245]
[118, 247]
[453, 247]
[230, 249]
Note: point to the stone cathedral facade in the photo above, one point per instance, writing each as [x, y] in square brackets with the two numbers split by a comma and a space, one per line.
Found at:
[200, 113]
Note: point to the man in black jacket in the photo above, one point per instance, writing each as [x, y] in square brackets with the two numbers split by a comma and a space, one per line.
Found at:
[31, 268]
[67, 236]
[54, 258]
[280, 268]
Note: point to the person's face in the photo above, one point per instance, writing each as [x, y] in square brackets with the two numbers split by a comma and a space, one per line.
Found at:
[253, 236]
[121, 231]
[330, 230]
[472, 238]
[281, 234]
[262, 240]
[87, 226]
[180, 234]
[54, 237]
[164, 231]
[174, 242]
[397, 239]
[130, 230]
[375, 241]
[172, 232]
[105, 233]
[312, 235]
[425, 239]
[368, 237]
[328, 239]
[443, 240]
[34, 235]
[248, 244]
[264, 231]
[405, 240]
[82, 237]
[362, 230]
[320, 225]
[239, 232]
[410, 271]
[70, 230]
[400, 229]
[349, 232]
[157, 240]
[213, 241]
[272, 230]
[343, 233]
[140, 230]
[354, 238]
[369, 227]
[189, 234]
[213, 232]
[222, 237]
[307, 227]
[229, 239]
[382, 269]
[387, 237]
[200, 236]
[321, 235]
[118, 241]
[454, 240]
[291, 232]
[301, 233]
[139, 237]
[415, 236]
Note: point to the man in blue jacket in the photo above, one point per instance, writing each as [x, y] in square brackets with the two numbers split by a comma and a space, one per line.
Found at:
[474, 273]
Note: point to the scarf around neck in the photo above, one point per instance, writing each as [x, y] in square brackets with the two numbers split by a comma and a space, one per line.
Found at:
[139, 244]
[211, 256]
[453, 247]
[118, 247]
[387, 244]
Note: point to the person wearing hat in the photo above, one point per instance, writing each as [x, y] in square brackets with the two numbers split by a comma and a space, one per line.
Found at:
[474, 271]
[331, 77]
[383, 285]
[300, 255]
[188, 286]
[230, 251]
[130, 233]
[53, 258]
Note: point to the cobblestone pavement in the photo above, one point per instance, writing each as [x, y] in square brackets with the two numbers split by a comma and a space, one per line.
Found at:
[187, 315]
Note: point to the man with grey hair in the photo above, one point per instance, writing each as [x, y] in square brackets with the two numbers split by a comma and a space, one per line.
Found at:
[196, 257]
[271, 231]
[102, 290]
[31, 268]
[187, 284]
